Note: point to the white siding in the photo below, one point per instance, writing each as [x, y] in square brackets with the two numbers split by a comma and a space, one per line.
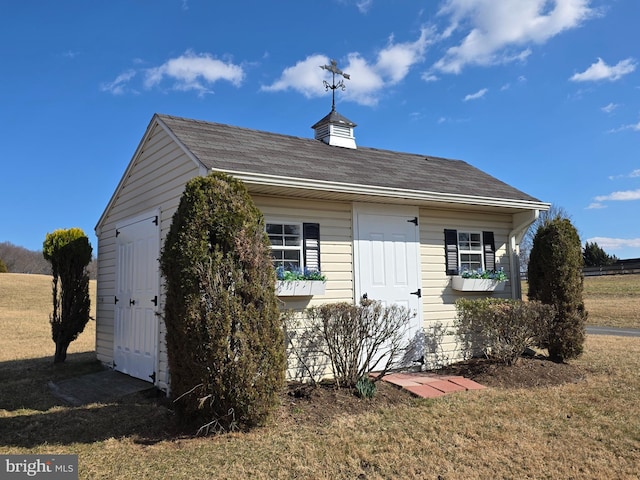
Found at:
[336, 253]
[156, 180]
[438, 298]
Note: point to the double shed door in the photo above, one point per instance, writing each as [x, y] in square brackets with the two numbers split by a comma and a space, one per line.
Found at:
[137, 294]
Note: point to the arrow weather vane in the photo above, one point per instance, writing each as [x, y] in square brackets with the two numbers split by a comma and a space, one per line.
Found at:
[333, 68]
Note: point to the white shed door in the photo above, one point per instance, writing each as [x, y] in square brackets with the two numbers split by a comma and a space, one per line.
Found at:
[137, 289]
[388, 268]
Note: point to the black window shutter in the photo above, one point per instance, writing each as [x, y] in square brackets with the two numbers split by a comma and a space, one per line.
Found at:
[311, 245]
[451, 251]
[489, 248]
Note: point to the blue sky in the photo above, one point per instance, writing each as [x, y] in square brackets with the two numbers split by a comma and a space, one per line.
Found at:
[543, 94]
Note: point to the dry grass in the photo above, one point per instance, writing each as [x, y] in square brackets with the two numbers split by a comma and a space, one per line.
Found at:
[611, 300]
[589, 429]
[25, 306]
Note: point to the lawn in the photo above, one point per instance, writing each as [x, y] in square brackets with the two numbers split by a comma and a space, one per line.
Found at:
[611, 300]
[584, 429]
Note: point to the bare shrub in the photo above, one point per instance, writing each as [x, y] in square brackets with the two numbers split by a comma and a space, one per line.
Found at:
[359, 339]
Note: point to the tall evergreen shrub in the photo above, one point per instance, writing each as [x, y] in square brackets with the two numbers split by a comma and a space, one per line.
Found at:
[224, 336]
[69, 253]
[555, 278]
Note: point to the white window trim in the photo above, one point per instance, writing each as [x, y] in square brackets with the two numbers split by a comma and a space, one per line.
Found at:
[479, 252]
[298, 248]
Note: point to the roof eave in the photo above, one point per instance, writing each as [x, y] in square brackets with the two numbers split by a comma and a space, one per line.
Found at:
[380, 191]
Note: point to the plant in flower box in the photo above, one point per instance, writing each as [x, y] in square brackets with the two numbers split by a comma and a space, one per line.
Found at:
[295, 282]
[479, 280]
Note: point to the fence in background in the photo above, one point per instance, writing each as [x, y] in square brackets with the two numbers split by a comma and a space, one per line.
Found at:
[615, 269]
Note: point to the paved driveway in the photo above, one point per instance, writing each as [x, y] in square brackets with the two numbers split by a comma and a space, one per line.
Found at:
[621, 332]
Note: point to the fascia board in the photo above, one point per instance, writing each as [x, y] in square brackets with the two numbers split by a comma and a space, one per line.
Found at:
[379, 191]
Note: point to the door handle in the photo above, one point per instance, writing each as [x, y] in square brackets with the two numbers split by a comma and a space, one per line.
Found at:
[418, 293]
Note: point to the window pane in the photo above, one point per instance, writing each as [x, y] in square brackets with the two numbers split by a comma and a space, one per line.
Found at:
[292, 230]
[291, 255]
[292, 241]
[274, 228]
[275, 241]
[470, 261]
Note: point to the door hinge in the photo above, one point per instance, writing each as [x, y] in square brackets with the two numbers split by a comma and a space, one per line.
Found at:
[155, 220]
[418, 293]
[153, 377]
[414, 220]
[154, 300]
[117, 232]
[116, 300]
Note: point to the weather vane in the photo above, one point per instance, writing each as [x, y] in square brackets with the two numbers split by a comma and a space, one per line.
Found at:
[333, 68]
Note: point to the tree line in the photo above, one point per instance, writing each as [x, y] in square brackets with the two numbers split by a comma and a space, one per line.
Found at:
[17, 259]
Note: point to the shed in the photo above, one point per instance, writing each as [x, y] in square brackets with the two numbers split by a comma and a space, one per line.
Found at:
[396, 227]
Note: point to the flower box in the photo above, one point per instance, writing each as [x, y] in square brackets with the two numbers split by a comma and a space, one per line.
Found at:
[300, 288]
[477, 284]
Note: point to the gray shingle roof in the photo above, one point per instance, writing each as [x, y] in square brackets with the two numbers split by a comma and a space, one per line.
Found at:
[239, 149]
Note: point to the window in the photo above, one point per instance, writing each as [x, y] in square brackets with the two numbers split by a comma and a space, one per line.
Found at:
[467, 250]
[295, 245]
[286, 244]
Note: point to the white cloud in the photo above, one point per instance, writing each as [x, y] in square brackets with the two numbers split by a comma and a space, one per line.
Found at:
[609, 108]
[634, 174]
[498, 32]
[305, 77]
[192, 71]
[601, 71]
[596, 205]
[367, 79]
[633, 126]
[119, 85]
[364, 5]
[474, 96]
[622, 196]
[429, 77]
[70, 54]
[608, 243]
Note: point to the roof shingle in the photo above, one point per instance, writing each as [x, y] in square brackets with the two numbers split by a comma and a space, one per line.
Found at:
[226, 147]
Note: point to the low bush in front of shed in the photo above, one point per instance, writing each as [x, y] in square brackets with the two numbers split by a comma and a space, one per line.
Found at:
[502, 329]
[224, 337]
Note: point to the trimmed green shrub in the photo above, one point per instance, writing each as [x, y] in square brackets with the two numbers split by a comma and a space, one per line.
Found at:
[501, 329]
[69, 253]
[555, 278]
[224, 337]
[3, 267]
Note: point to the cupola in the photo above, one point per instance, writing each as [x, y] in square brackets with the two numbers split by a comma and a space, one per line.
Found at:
[335, 129]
